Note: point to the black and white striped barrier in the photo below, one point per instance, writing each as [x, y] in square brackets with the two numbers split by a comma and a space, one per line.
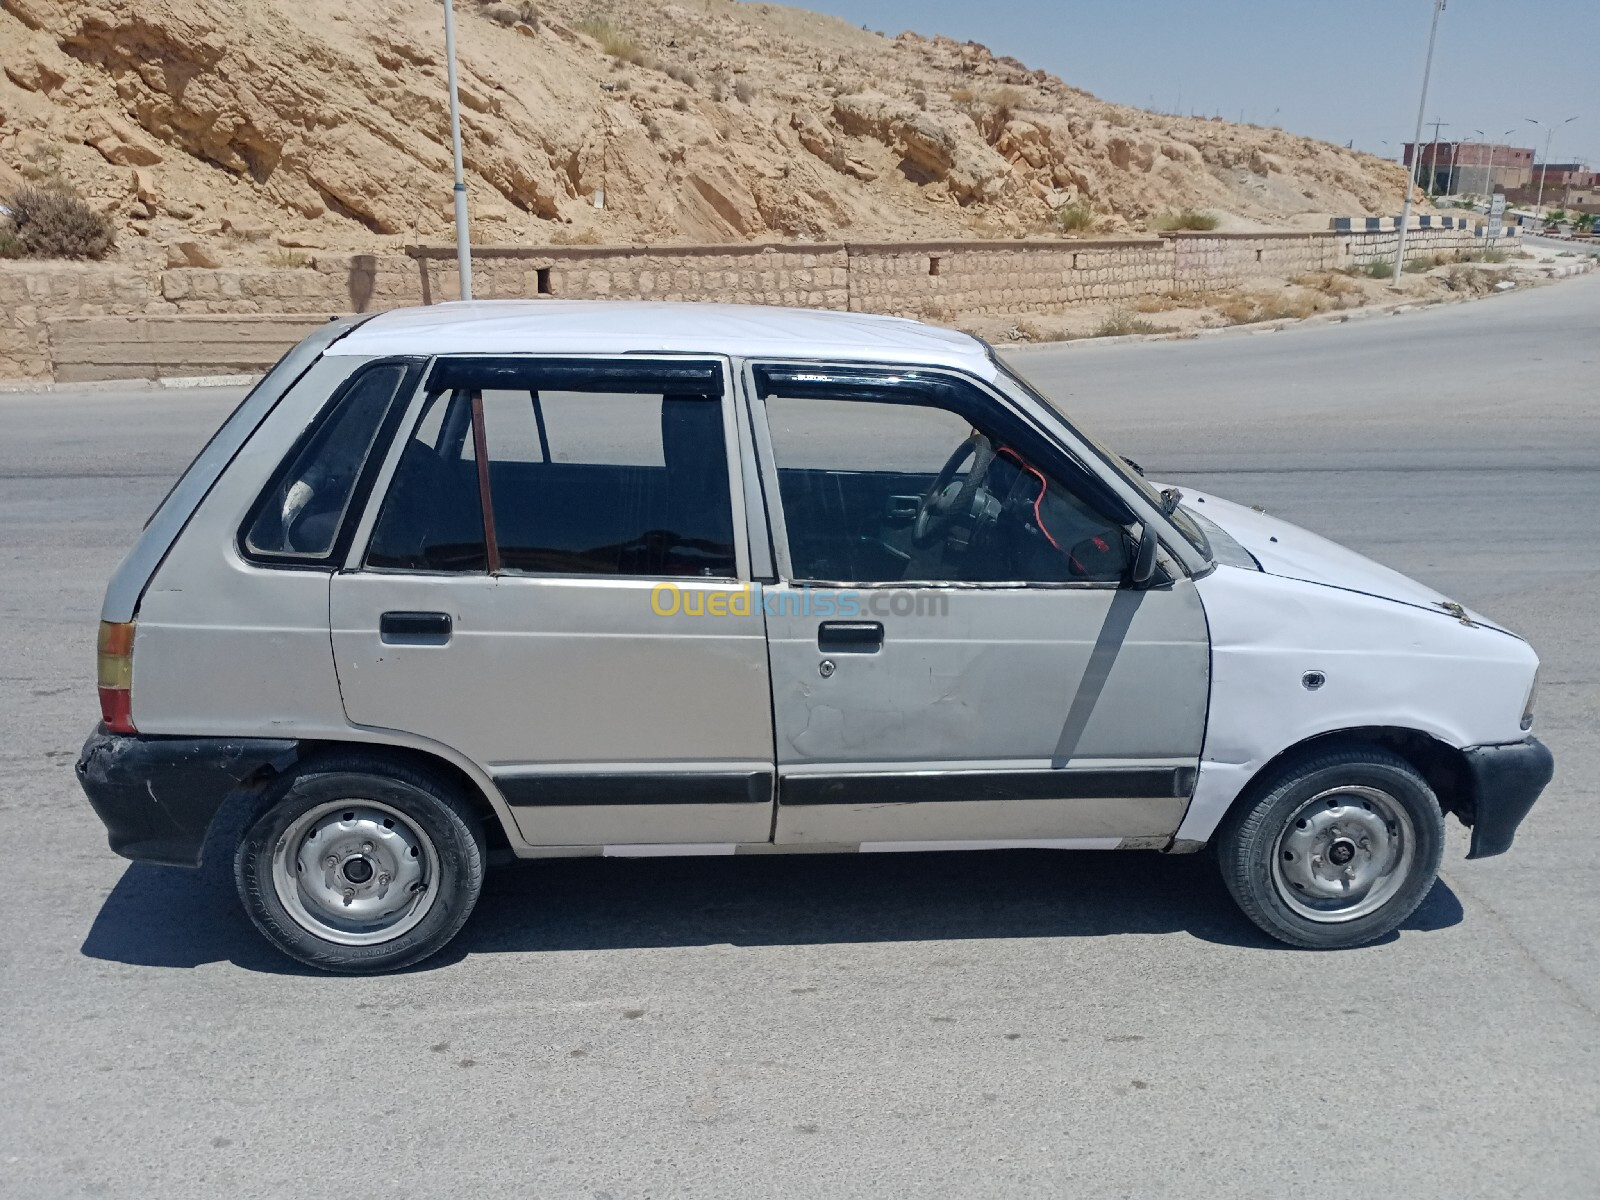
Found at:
[1387, 224]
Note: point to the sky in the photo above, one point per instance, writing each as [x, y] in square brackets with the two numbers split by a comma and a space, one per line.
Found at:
[1344, 71]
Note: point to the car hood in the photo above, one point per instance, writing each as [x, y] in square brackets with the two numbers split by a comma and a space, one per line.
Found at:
[1294, 553]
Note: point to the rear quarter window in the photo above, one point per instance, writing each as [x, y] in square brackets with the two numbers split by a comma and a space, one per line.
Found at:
[300, 516]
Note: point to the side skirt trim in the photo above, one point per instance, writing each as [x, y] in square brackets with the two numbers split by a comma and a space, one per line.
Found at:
[912, 787]
[652, 787]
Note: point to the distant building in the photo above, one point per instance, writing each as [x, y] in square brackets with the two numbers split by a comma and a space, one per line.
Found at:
[1564, 175]
[1454, 168]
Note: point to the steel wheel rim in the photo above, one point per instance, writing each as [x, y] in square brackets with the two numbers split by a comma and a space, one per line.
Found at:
[1344, 854]
[355, 872]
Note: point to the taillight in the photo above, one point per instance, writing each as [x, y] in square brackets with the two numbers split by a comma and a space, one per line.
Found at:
[115, 672]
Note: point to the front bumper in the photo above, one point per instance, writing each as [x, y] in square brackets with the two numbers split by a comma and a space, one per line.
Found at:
[1506, 780]
[159, 795]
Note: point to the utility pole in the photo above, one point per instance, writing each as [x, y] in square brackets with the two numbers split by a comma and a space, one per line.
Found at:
[1422, 107]
[1550, 132]
[463, 240]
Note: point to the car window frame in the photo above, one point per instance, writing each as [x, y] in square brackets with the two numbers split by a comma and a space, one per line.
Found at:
[413, 373]
[630, 363]
[1050, 453]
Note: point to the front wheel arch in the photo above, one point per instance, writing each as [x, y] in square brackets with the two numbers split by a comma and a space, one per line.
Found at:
[1442, 765]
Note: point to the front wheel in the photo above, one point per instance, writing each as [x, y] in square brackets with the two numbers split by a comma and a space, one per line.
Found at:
[361, 866]
[1336, 849]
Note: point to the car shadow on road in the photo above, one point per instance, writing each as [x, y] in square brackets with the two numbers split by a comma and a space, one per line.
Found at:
[163, 917]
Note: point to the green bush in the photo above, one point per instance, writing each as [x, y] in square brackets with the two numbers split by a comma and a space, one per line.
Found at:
[1076, 218]
[54, 223]
[1187, 218]
[1382, 269]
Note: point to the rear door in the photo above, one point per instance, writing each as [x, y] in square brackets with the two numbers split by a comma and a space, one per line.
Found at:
[993, 682]
[555, 586]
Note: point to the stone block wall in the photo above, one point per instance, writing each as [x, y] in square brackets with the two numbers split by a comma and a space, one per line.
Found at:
[798, 275]
[31, 295]
[941, 279]
[49, 313]
[1204, 262]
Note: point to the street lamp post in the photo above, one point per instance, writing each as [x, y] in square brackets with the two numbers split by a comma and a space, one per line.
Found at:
[1416, 141]
[463, 241]
[1549, 133]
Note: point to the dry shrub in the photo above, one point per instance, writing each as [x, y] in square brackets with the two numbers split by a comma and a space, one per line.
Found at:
[616, 42]
[1032, 331]
[1155, 304]
[681, 73]
[745, 91]
[1295, 307]
[565, 237]
[54, 223]
[1338, 289]
[963, 95]
[1122, 322]
[681, 104]
[1006, 102]
[1235, 308]
[1246, 308]
[287, 259]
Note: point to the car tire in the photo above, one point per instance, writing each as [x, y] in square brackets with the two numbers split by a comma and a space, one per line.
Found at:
[360, 865]
[1336, 848]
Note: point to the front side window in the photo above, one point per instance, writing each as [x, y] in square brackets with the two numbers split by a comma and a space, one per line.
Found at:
[579, 477]
[299, 517]
[907, 489]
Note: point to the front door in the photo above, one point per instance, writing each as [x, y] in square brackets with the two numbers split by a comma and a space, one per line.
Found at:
[957, 659]
[554, 585]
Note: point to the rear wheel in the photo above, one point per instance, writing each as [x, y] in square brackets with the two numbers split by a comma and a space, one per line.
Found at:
[1336, 849]
[361, 865]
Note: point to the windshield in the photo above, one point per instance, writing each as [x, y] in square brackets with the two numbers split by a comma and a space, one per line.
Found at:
[1178, 515]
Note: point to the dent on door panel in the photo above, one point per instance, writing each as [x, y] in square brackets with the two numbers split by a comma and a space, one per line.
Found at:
[1020, 713]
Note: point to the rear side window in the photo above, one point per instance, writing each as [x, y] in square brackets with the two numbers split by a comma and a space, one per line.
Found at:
[300, 515]
[601, 476]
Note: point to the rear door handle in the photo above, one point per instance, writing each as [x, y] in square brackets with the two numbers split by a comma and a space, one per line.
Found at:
[414, 628]
[850, 637]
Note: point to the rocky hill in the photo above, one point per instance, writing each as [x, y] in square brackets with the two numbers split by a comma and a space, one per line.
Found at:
[243, 126]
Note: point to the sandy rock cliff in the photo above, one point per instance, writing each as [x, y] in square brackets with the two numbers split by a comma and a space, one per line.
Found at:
[228, 128]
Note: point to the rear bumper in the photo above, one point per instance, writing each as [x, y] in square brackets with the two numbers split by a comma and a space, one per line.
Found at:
[158, 795]
[1506, 780]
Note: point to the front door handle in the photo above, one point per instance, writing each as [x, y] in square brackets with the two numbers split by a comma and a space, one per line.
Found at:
[850, 637]
[414, 628]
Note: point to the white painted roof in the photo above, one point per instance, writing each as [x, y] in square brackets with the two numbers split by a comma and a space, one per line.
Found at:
[624, 326]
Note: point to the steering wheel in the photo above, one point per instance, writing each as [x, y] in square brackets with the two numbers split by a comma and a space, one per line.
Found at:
[946, 501]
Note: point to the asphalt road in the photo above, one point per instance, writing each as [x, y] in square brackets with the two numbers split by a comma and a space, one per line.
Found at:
[1026, 1023]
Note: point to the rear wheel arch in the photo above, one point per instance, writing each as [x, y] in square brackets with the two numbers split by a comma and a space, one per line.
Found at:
[255, 793]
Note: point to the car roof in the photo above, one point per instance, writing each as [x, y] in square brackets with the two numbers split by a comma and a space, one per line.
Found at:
[629, 326]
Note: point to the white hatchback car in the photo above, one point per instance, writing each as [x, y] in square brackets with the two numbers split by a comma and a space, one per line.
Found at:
[635, 579]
